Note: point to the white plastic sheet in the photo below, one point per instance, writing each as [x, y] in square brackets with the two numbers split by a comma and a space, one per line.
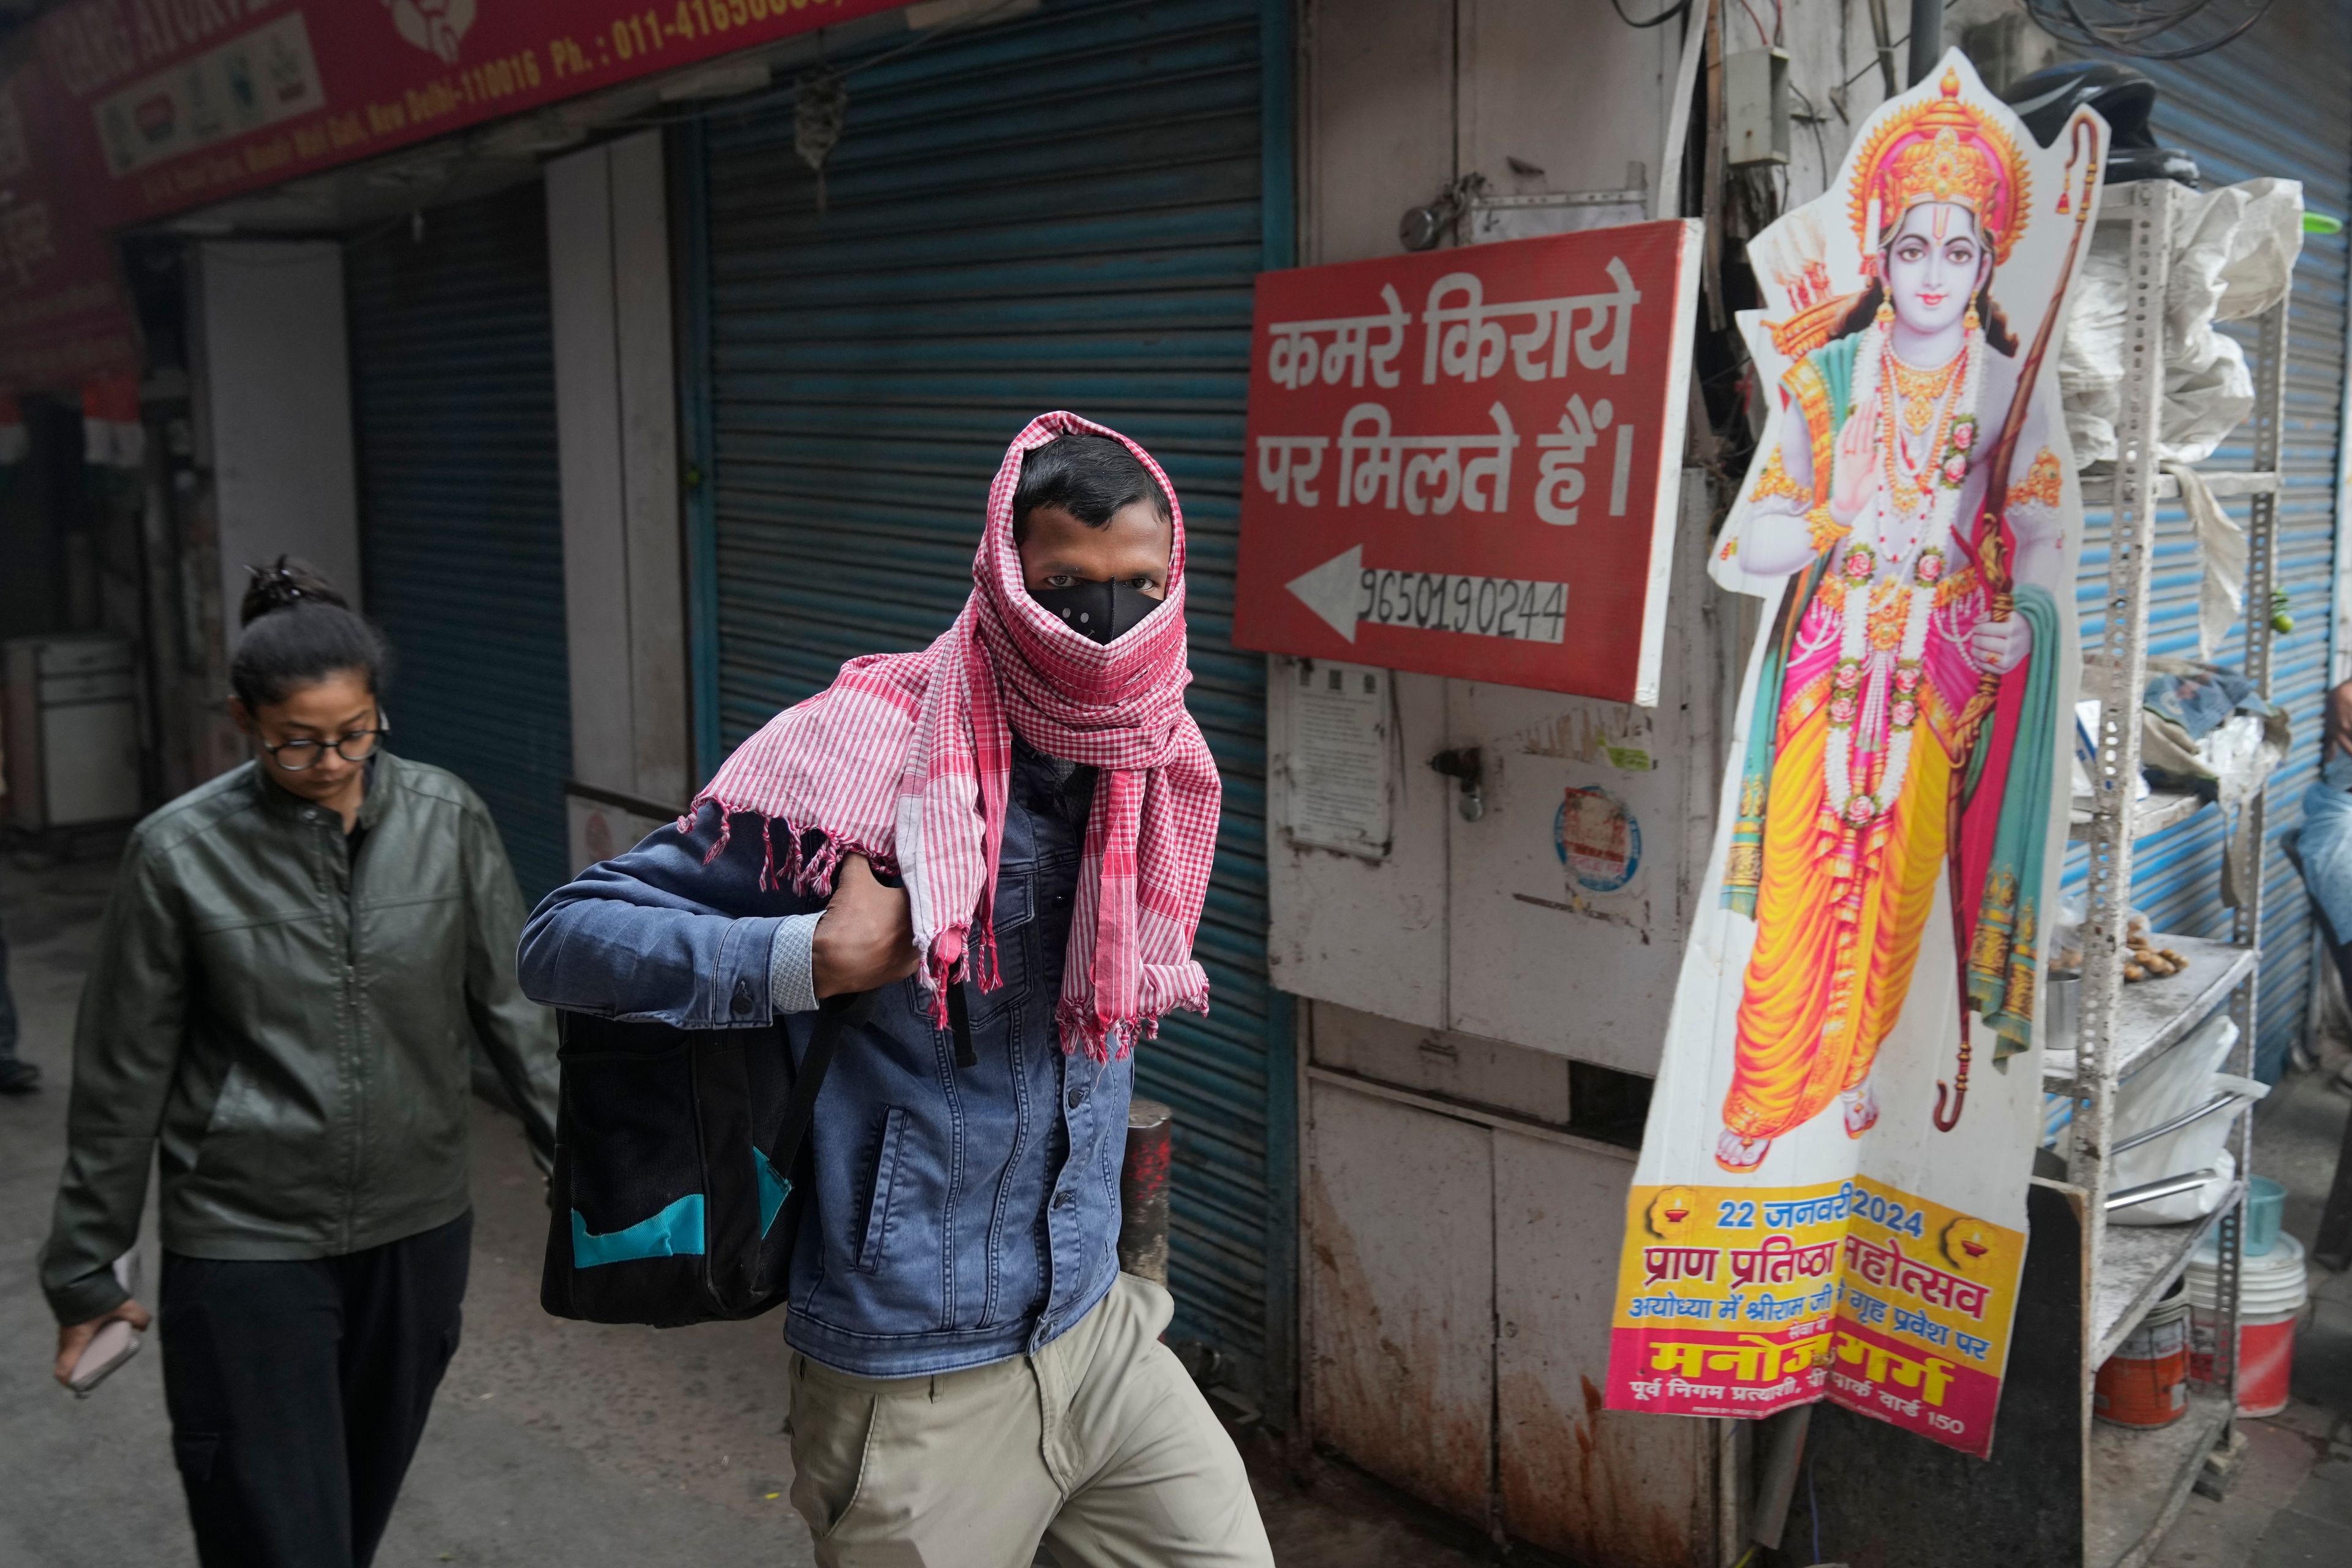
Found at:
[2174, 1084]
[2233, 253]
[2221, 591]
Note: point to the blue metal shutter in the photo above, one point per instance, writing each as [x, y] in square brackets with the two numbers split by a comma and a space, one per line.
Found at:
[2225, 109]
[1061, 210]
[453, 392]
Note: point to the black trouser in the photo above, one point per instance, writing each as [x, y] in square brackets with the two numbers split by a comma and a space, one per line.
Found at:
[8, 1006]
[298, 1391]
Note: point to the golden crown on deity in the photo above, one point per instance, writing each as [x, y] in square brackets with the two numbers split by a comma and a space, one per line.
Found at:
[1944, 150]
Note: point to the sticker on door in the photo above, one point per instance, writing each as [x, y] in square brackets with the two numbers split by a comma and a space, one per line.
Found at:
[1598, 839]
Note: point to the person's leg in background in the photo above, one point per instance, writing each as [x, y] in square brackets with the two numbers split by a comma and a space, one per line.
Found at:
[402, 1306]
[253, 1378]
[15, 1076]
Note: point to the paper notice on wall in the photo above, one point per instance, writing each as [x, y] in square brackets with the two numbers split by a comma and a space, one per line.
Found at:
[1339, 757]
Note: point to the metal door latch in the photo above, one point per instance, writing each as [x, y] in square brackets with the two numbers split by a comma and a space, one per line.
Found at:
[1466, 767]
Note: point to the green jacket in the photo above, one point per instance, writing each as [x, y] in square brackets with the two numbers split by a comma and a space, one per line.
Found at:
[288, 1022]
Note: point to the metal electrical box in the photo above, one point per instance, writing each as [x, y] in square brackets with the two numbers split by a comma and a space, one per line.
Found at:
[72, 735]
[1756, 108]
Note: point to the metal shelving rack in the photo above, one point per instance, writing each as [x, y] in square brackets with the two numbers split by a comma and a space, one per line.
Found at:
[2135, 1482]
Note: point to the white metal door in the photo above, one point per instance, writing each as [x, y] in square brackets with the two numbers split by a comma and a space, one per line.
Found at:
[1402, 1284]
[1571, 888]
[1595, 1484]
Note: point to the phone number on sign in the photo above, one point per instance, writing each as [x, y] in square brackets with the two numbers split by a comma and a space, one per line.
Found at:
[1515, 607]
[657, 28]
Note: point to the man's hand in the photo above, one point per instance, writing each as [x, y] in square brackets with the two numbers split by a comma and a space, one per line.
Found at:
[74, 1338]
[866, 936]
[1853, 478]
[2001, 646]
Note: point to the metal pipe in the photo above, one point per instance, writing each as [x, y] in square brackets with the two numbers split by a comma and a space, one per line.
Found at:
[2177, 1124]
[1882, 36]
[2148, 1192]
[1927, 38]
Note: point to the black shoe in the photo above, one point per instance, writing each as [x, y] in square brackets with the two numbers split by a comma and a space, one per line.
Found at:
[19, 1078]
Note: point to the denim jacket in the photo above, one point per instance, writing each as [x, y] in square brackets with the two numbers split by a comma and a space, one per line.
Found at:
[959, 1215]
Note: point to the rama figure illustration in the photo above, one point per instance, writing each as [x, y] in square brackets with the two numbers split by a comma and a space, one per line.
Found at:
[1905, 726]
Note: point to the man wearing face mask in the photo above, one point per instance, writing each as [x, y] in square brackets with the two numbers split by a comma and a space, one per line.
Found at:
[971, 1373]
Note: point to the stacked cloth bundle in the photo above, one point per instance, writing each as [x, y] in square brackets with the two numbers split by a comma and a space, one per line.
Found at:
[905, 759]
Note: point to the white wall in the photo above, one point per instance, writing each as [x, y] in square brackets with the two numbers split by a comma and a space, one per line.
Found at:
[273, 381]
[616, 404]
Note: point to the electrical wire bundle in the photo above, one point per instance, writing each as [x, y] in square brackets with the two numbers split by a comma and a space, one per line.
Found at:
[2148, 29]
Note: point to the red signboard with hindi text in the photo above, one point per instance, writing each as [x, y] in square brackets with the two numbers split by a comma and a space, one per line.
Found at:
[123, 111]
[1466, 462]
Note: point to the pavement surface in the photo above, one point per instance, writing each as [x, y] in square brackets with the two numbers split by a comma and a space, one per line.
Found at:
[585, 1445]
[599, 1446]
[2290, 1505]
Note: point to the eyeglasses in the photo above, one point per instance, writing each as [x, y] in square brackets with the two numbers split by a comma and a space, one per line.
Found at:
[352, 745]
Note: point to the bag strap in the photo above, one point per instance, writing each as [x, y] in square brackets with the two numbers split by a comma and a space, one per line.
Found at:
[959, 1024]
[834, 1015]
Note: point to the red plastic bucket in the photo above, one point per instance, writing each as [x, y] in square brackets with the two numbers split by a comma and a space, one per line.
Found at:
[2265, 1358]
[2272, 1296]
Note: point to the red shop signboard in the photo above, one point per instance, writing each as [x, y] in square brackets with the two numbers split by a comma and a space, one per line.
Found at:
[1466, 462]
[123, 111]
[178, 102]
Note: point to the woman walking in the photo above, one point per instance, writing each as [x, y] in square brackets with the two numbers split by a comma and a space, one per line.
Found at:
[294, 958]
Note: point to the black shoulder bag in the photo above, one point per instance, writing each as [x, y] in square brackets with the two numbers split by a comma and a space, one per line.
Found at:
[675, 1197]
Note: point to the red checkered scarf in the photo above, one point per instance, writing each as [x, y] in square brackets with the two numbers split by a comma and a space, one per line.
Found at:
[905, 759]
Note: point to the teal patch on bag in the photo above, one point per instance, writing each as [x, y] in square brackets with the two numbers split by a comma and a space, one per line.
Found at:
[773, 1189]
[676, 1232]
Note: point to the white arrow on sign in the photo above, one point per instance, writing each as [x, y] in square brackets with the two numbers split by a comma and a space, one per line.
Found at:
[1334, 590]
[1343, 593]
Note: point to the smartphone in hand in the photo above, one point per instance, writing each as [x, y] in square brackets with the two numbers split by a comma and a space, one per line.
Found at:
[108, 1348]
[112, 1345]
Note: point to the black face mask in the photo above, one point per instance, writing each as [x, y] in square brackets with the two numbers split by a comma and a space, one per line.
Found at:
[1098, 610]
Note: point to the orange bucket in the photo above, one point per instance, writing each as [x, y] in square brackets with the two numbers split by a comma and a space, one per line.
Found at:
[2146, 1382]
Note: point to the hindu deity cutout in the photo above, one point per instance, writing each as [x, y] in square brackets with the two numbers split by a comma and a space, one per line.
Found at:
[1890, 830]
[1903, 732]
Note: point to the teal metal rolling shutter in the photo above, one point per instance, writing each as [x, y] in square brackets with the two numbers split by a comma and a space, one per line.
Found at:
[453, 395]
[2223, 108]
[1061, 210]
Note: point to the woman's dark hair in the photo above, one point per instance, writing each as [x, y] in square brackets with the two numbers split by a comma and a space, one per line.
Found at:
[299, 630]
[1092, 477]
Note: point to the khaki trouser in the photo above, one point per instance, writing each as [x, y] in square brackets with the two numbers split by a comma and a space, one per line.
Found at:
[1098, 1444]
